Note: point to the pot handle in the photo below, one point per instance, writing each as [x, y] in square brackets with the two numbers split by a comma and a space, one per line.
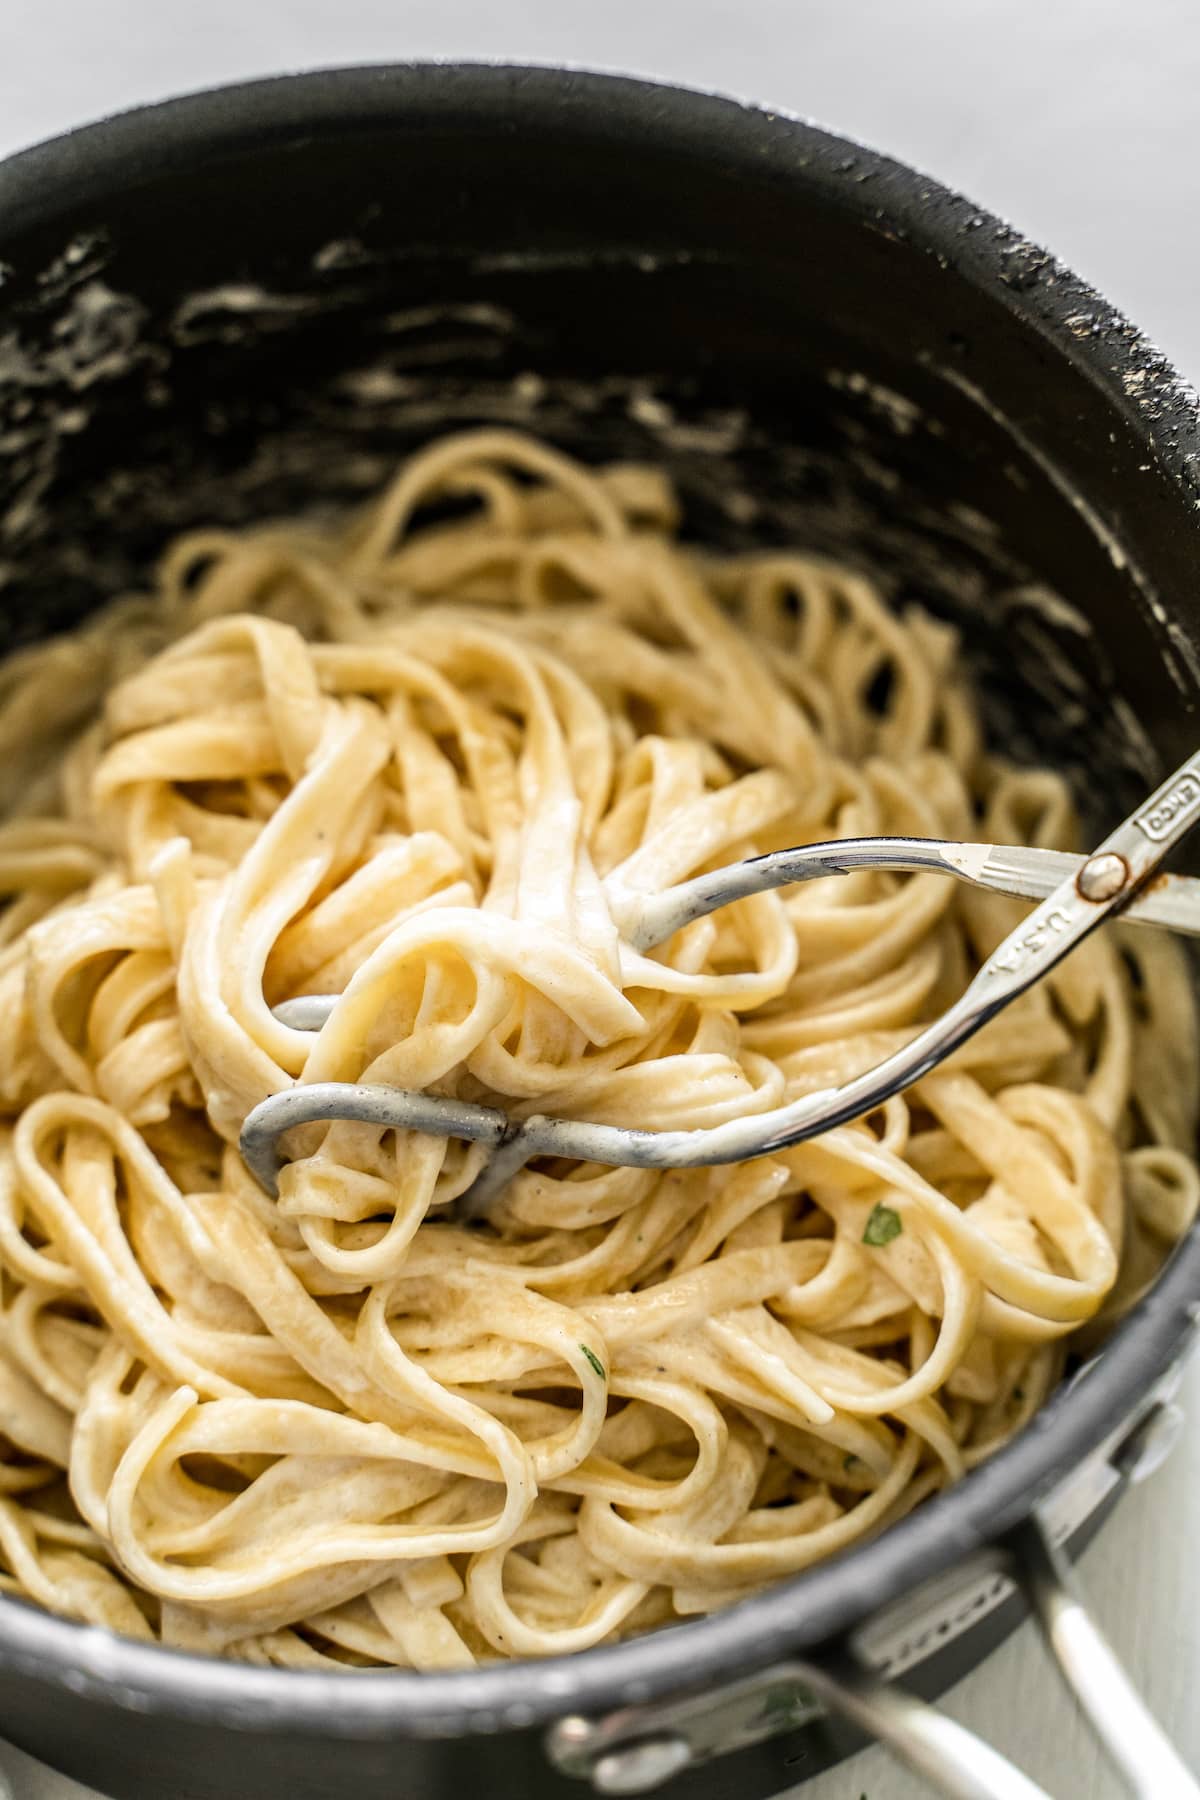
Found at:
[962, 1766]
[637, 1748]
[1136, 1743]
[954, 1762]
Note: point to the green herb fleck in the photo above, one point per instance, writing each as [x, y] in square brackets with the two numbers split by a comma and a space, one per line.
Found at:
[595, 1361]
[883, 1225]
[849, 1461]
[1018, 1393]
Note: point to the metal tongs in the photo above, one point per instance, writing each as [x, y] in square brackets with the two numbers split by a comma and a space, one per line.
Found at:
[1077, 893]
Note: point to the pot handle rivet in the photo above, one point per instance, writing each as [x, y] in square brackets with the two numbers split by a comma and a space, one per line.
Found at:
[637, 1768]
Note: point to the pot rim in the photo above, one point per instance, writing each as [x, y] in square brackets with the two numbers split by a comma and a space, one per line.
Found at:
[798, 1614]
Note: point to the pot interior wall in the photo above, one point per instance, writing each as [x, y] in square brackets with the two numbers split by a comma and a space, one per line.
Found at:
[271, 325]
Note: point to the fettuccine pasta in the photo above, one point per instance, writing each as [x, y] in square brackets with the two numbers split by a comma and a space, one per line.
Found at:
[420, 759]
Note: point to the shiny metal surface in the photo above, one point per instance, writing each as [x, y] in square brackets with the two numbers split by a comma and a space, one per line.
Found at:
[1087, 891]
[1135, 1743]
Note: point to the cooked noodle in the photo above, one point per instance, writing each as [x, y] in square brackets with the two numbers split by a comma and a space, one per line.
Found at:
[416, 760]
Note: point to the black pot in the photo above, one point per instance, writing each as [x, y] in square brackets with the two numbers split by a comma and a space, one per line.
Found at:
[229, 304]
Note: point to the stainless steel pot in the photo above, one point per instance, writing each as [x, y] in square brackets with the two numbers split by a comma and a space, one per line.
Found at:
[228, 304]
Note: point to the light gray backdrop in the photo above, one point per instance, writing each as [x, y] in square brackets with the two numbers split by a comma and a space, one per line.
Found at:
[1077, 119]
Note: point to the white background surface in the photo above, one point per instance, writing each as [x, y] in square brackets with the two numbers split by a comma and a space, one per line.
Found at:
[1077, 119]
